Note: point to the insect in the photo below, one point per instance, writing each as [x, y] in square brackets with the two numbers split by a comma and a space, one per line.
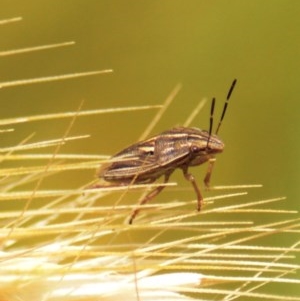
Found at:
[179, 147]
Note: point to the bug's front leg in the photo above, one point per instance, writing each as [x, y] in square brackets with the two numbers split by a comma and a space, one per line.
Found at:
[211, 163]
[191, 179]
[148, 198]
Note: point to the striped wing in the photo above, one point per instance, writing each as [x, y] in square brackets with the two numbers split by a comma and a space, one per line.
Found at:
[134, 162]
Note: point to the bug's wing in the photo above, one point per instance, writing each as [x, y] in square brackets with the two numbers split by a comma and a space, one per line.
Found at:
[132, 162]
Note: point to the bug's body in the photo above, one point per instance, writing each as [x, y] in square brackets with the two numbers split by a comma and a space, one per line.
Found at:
[180, 147]
[146, 161]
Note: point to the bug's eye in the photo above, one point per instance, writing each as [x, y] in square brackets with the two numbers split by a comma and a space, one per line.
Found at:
[150, 153]
[195, 149]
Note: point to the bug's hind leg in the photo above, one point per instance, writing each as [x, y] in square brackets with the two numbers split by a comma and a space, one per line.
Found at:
[191, 179]
[148, 198]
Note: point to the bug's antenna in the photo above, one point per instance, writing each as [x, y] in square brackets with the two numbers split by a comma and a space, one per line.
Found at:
[211, 119]
[226, 104]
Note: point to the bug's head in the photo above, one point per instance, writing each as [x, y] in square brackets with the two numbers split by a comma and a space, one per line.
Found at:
[214, 144]
[204, 146]
[207, 144]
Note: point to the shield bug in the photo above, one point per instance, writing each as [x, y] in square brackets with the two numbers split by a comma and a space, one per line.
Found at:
[180, 147]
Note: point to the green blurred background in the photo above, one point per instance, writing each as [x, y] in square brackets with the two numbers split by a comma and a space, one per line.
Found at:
[153, 45]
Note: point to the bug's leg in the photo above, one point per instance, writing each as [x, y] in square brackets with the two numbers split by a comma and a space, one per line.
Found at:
[191, 179]
[211, 163]
[148, 198]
